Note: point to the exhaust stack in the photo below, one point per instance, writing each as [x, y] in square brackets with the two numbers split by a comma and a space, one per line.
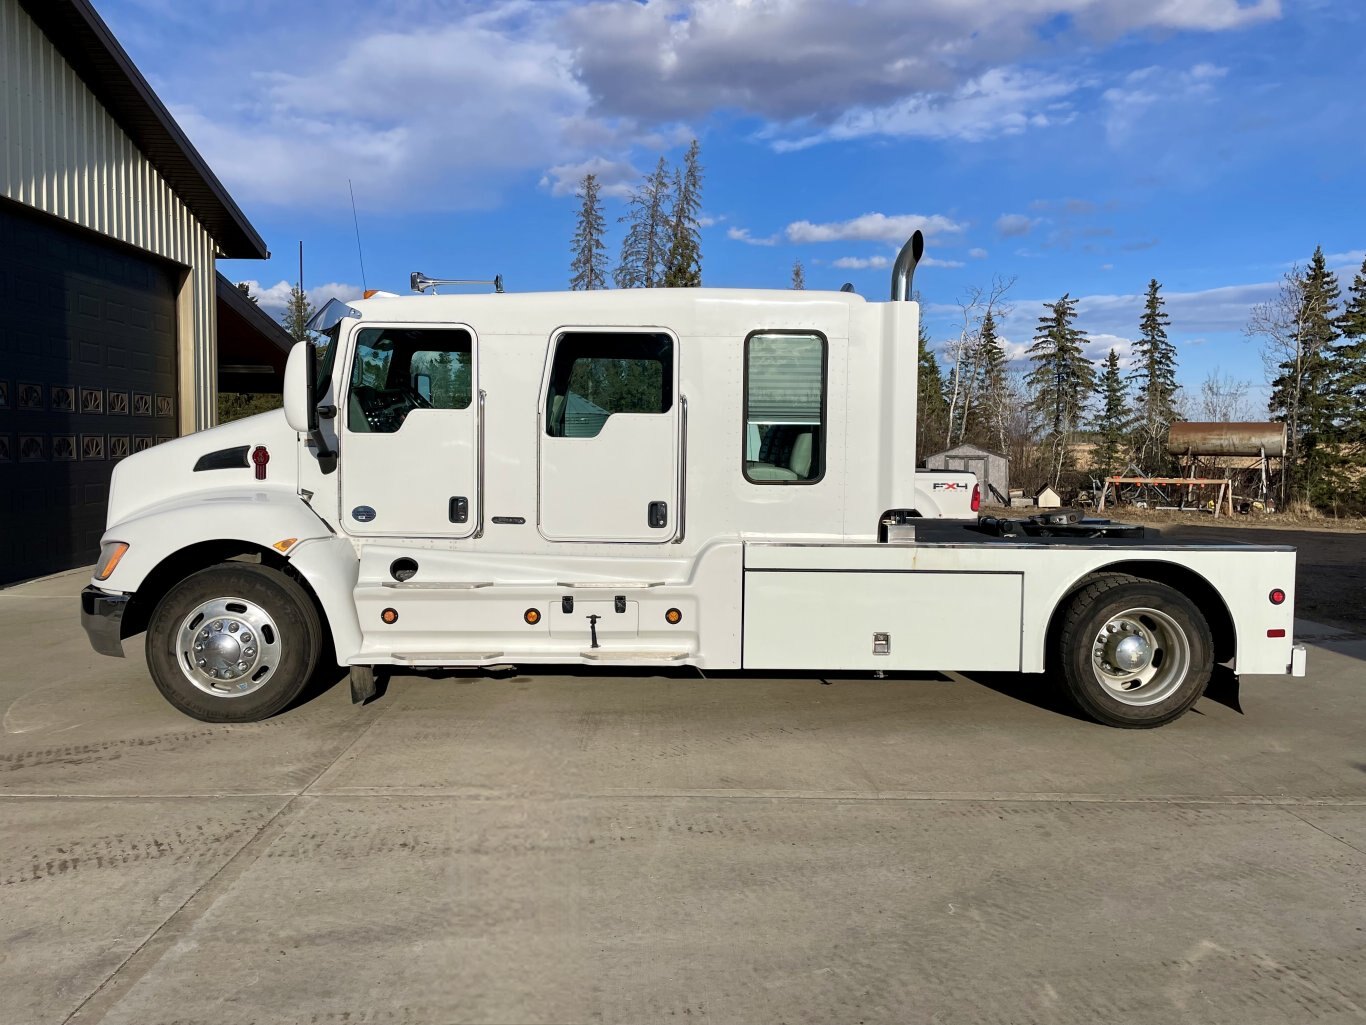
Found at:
[904, 268]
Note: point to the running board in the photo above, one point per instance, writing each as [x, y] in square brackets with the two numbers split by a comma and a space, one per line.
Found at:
[437, 585]
[606, 655]
[451, 657]
[609, 585]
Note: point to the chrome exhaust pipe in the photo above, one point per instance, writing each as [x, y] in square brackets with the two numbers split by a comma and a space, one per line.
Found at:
[904, 268]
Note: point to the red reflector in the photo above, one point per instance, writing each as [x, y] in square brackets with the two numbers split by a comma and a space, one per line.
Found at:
[1277, 596]
[976, 497]
[1275, 633]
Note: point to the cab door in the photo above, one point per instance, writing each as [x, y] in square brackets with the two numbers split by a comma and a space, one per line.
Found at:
[410, 433]
[609, 437]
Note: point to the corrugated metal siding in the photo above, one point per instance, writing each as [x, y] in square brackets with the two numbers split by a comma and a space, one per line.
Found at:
[61, 152]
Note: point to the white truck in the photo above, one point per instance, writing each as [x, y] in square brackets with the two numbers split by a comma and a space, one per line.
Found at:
[670, 477]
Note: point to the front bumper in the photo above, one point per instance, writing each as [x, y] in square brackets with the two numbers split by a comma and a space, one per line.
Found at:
[102, 618]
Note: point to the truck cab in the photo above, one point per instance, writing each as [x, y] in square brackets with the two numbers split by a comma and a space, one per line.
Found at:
[707, 477]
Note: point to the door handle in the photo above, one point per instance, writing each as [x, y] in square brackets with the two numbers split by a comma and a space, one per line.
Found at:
[658, 514]
[459, 510]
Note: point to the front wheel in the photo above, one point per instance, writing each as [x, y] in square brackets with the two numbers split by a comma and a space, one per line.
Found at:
[1133, 653]
[236, 642]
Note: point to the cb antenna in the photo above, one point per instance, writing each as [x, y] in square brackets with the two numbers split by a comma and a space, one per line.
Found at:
[356, 221]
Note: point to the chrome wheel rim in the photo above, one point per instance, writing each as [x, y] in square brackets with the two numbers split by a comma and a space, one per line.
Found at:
[228, 647]
[1140, 656]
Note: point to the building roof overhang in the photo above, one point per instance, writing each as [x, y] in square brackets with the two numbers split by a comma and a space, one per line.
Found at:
[85, 42]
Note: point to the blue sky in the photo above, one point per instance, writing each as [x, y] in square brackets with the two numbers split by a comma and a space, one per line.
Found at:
[1078, 146]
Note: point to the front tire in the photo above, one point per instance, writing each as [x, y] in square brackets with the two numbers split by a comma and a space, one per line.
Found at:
[1133, 653]
[236, 642]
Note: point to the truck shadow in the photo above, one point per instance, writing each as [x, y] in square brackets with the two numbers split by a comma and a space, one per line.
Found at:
[1043, 692]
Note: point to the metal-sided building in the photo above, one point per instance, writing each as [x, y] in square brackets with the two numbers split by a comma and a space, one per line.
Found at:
[110, 226]
[992, 468]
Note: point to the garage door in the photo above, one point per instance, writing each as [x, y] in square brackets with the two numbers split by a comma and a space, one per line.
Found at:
[87, 376]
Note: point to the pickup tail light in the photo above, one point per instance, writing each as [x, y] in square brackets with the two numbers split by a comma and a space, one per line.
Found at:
[976, 497]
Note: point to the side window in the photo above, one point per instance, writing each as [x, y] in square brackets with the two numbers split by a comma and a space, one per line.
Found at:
[397, 370]
[785, 384]
[596, 375]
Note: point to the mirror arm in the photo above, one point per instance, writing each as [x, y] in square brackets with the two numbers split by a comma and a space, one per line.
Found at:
[315, 434]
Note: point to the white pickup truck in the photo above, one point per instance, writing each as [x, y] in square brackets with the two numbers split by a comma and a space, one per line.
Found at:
[704, 477]
[947, 494]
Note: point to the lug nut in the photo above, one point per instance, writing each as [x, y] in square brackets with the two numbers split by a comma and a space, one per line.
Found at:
[232, 628]
[201, 663]
[246, 638]
[218, 625]
[249, 652]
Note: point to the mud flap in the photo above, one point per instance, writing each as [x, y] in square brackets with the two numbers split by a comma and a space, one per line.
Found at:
[363, 685]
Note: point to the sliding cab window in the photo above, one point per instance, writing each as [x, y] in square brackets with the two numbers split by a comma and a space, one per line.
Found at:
[398, 370]
[597, 375]
[785, 384]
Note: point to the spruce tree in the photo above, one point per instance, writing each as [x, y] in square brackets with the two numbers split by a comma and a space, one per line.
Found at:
[1349, 385]
[931, 409]
[588, 269]
[1061, 379]
[298, 312]
[1154, 374]
[683, 264]
[1112, 417]
[1301, 395]
[798, 275]
[647, 240]
[991, 409]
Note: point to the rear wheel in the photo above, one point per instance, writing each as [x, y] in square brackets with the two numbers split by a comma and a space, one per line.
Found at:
[1133, 653]
[233, 643]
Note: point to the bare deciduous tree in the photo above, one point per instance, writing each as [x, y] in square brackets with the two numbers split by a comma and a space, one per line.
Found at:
[1224, 399]
[965, 352]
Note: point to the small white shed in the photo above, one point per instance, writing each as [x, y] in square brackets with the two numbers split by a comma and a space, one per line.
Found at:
[1047, 498]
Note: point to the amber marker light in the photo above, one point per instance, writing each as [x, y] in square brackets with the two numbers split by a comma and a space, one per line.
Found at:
[390, 616]
[285, 544]
[532, 616]
[110, 555]
[673, 617]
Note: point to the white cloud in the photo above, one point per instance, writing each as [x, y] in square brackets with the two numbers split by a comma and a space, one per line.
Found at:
[873, 227]
[408, 115]
[861, 262]
[1002, 101]
[275, 298]
[743, 235]
[1352, 259]
[934, 261]
[1132, 102]
[978, 254]
[786, 60]
[1015, 225]
[616, 178]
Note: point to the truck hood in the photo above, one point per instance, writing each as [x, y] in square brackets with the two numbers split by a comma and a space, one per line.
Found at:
[206, 460]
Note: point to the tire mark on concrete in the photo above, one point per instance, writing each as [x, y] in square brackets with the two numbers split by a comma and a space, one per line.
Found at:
[183, 919]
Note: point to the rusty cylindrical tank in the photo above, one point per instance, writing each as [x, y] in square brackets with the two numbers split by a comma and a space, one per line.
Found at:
[1227, 439]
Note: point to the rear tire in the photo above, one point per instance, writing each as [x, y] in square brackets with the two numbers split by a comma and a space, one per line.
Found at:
[236, 642]
[1133, 653]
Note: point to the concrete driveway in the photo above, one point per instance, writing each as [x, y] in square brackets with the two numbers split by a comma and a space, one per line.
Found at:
[646, 848]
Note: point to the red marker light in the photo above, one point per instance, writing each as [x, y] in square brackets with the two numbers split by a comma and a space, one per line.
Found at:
[260, 457]
[976, 497]
[1275, 633]
[1277, 596]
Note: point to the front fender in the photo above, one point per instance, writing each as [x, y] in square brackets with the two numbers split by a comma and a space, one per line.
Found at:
[263, 516]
